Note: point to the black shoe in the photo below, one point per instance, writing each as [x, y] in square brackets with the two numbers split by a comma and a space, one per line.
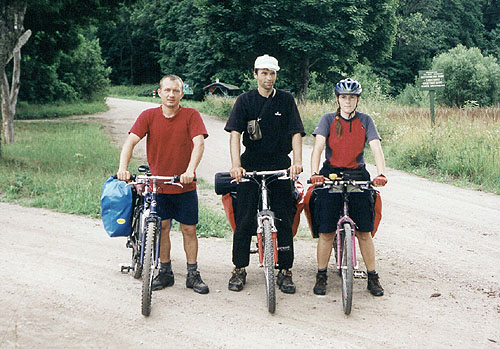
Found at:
[374, 285]
[162, 280]
[237, 280]
[320, 287]
[284, 281]
[194, 281]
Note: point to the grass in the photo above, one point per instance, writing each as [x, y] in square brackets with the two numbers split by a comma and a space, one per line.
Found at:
[26, 111]
[62, 165]
[462, 148]
[58, 165]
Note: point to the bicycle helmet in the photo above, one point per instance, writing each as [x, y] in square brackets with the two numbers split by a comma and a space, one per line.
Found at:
[348, 87]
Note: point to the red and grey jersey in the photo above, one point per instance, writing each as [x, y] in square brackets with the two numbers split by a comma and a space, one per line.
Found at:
[346, 151]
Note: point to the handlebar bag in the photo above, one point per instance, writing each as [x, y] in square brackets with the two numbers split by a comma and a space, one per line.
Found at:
[116, 208]
[223, 183]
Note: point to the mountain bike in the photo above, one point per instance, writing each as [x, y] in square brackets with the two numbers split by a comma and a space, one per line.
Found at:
[345, 241]
[266, 230]
[146, 233]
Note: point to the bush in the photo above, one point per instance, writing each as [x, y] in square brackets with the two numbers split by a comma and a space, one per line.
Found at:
[220, 106]
[469, 76]
[413, 96]
[79, 74]
[374, 86]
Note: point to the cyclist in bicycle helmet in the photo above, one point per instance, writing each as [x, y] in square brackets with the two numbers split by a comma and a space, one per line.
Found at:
[344, 134]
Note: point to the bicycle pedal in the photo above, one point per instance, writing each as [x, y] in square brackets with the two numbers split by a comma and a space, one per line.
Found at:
[125, 269]
[360, 274]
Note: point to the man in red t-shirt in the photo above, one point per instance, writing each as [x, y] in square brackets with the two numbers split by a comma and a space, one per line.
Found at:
[175, 144]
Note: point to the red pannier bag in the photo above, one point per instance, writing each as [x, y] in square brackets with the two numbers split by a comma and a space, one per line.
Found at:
[309, 208]
[224, 187]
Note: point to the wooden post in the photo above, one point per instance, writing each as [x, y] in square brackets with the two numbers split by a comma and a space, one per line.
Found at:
[431, 99]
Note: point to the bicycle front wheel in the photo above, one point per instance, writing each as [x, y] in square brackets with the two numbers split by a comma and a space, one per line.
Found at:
[136, 244]
[269, 267]
[347, 268]
[147, 268]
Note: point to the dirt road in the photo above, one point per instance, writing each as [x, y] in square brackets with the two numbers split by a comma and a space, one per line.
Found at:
[438, 254]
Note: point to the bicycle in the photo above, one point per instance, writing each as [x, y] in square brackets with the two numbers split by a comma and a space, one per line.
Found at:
[146, 232]
[345, 241]
[266, 230]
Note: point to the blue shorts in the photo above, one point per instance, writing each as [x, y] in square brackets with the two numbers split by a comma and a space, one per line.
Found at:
[181, 207]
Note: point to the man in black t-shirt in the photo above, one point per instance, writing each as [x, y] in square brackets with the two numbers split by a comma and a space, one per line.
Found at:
[282, 131]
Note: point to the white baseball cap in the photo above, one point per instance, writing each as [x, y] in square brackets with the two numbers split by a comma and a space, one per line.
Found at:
[266, 62]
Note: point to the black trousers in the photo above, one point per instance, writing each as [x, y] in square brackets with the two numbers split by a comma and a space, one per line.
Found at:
[281, 203]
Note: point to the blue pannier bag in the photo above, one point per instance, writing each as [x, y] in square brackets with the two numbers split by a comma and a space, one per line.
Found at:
[116, 208]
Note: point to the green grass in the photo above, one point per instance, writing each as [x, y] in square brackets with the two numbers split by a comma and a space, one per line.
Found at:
[463, 148]
[62, 165]
[27, 111]
[58, 165]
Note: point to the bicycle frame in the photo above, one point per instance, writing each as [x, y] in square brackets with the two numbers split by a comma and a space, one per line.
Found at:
[149, 213]
[265, 213]
[344, 187]
[150, 230]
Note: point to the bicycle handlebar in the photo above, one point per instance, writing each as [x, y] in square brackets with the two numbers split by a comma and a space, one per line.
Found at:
[342, 182]
[278, 173]
[142, 179]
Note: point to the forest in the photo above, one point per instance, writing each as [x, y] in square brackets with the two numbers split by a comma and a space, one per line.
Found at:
[78, 48]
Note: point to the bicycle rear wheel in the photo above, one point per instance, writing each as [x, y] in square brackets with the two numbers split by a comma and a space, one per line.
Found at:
[148, 265]
[269, 268]
[347, 268]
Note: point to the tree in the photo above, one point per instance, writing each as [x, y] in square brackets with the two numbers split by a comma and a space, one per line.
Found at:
[57, 26]
[12, 38]
[469, 76]
[129, 42]
[302, 40]
[427, 28]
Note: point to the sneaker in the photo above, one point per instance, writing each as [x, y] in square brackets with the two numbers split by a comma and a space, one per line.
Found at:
[284, 281]
[237, 280]
[162, 280]
[374, 285]
[320, 287]
[194, 281]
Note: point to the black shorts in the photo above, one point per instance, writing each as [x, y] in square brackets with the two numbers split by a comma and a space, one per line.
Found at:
[181, 207]
[329, 208]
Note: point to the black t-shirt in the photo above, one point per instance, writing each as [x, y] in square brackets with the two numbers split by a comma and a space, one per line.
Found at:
[280, 120]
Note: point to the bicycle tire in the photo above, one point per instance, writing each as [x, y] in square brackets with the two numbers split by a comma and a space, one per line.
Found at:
[269, 268]
[147, 270]
[347, 268]
[136, 248]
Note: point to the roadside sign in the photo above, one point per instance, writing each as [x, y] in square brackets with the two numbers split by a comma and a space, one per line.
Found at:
[188, 89]
[431, 80]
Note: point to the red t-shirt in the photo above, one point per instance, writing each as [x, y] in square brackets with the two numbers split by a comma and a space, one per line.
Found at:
[170, 142]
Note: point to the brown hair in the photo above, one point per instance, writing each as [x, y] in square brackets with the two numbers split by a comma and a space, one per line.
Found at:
[338, 124]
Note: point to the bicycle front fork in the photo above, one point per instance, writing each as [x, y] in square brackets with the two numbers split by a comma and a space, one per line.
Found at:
[266, 215]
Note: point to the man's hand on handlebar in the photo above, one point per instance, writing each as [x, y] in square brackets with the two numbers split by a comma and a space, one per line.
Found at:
[187, 177]
[294, 171]
[237, 173]
[379, 181]
[123, 175]
[317, 180]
